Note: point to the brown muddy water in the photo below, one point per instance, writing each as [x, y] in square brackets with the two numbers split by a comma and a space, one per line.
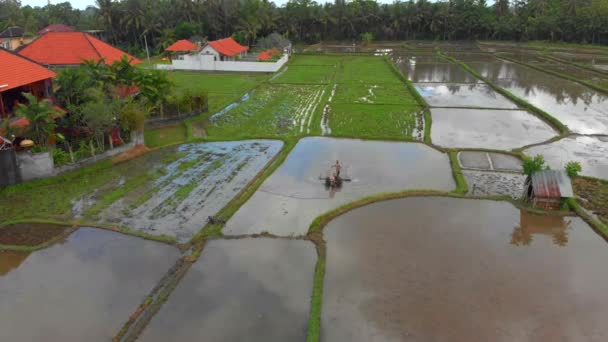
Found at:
[484, 128]
[591, 152]
[462, 95]
[197, 185]
[241, 290]
[444, 269]
[289, 200]
[82, 289]
[583, 110]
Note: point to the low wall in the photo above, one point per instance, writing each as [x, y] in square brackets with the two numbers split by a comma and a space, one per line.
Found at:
[105, 155]
[35, 165]
[206, 62]
[9, 169]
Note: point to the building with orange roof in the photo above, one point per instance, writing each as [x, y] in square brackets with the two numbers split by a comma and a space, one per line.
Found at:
[56, 28]
[183, 45]
[19, 75]
[226, 49]
[71, 48]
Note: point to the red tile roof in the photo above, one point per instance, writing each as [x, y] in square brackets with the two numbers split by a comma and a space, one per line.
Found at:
[67, 48]
[227, 47]
[56, 28]
[16, 71]
[182, 46]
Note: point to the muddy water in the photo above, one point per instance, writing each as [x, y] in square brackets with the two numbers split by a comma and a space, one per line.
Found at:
[83, 289]
[591, 152]
[293, 196]
[439, 269]
[195, 186]
[241, 290]
[462, 95]
[483, 128]
[582, 109]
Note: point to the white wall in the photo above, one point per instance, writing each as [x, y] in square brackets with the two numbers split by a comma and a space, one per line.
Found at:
[206, 62]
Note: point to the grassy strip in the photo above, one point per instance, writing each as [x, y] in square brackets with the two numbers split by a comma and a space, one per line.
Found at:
[461, 183]
[316, 301]
[598, 226]
[227, 211]
[561, 128]
[558, 74]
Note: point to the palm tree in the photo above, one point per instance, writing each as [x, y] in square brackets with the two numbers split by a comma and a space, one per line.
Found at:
[40, 116]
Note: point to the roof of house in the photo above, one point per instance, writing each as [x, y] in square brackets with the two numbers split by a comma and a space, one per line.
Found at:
[56, 28]
[17, 71]
[183, 45]
[552, 184]
[68, 48]
[12, 32]
[227, 46]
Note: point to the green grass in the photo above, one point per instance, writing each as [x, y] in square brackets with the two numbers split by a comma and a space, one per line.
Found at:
[375, 121]
[300, 60]
[165, 135]
[306, 74]
[364, 69]
[382, 93]
[270, 112]
[316, 302]
[461, 184]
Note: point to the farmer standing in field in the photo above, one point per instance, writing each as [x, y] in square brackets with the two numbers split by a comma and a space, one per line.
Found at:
[338, 168]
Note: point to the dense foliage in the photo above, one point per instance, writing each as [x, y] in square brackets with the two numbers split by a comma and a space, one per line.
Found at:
[127, 22]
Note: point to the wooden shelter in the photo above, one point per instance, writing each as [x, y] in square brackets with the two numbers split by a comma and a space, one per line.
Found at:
[546, 189]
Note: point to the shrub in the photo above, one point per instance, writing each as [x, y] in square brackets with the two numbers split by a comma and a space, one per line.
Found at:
[573, 168]
[367, 38]
[60, 157]
[532, 165]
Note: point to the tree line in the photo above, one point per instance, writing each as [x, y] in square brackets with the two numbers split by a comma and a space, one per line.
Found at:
[127, 22]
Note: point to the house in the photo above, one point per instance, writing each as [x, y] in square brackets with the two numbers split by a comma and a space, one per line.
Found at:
[226, 49]
[13, 37]
[548, 188]
[56, 28]
[223, 55]
[182, 46]
[71, 48]
[19, 75]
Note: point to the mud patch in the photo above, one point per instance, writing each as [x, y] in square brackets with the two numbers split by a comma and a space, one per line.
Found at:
[241, 290]
[489, 161]
[487, 183]
[591, 152]
[288, 201]
[93, 281]
[408, 269]
[594, 196]
[30, 234]
[483, 128]
[198, 184]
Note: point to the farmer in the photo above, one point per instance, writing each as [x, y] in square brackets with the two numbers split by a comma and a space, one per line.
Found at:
[338, 168]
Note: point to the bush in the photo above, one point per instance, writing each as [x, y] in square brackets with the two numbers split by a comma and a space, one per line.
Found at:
[532, 165]
[367, 38]
[60, 157]
[573, 168]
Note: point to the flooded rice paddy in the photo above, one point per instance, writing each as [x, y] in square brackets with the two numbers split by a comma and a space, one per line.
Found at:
[490, 161]
[483, 128]
[288, 201]
[591, 152]
[462, 95]
[478, 271]
[204, 178]
[582, 109]
[241, 290]
[81, 289]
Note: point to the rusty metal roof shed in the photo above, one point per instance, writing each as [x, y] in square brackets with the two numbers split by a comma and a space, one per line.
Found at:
[552, 184]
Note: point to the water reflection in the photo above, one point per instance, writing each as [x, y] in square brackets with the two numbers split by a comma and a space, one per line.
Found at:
[531, 225]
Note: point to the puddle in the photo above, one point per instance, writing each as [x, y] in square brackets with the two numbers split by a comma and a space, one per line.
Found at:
[582, 109]
[289, 200]
[241, 290]
[409, 268]
[83, 289]
[484, 128]
[489, 161]
[437, 72]
[591, 152]
[462, 95]
[197, 185]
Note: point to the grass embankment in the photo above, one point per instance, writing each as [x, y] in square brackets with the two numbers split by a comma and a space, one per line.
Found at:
[594, 193]
[560, 127]
[589, 83]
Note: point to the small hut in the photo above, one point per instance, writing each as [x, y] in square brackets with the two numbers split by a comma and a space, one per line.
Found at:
[547, 189]
[181, 47]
